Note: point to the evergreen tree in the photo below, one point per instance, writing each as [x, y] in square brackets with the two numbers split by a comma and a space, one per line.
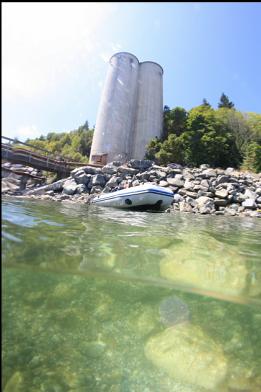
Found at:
[225, 102]
[206, 103]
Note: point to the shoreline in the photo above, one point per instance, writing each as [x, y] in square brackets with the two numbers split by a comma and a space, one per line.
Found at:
[202, 190]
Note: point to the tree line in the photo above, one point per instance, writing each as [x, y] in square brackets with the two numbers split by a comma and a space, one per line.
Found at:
[73, 145]
[220, 137]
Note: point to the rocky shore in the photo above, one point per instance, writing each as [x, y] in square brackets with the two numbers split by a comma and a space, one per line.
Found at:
[202, 190]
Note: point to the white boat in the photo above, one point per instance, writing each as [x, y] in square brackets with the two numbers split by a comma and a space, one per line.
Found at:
[141, 197]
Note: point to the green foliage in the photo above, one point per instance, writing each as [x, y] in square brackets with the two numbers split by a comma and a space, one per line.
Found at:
[254, 123]
[252, 158]
[153, 147]
[74, 145]
[225, 102]
[174, 120]
[222, 137]
[206, 103]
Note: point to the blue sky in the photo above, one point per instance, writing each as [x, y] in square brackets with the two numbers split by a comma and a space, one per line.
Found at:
[54, 57]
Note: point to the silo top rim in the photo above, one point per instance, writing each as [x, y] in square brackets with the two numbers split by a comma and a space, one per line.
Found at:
[130, 54]
[153, 62]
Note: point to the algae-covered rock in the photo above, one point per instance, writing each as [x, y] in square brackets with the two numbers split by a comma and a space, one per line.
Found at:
[188, 355]
[205, 263]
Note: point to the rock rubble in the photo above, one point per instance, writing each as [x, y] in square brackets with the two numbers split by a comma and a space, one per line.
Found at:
[202, 190]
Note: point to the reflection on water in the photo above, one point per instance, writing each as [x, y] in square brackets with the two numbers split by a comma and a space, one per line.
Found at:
[106, 300]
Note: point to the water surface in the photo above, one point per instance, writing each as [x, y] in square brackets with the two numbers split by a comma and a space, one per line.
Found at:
[86, 288]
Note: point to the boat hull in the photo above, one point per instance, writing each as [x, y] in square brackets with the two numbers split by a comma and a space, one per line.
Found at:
[143, 197]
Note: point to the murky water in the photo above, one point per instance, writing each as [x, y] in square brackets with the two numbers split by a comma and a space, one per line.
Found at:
[106, 300]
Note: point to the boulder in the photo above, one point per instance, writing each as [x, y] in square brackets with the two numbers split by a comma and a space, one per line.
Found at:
[81, 188]
[189, 356]
[163, 183]
[82, 178]
[185, 207]
[222, 179]
[221, 194]
[249, 203]
[70, 187]
[205, 205]
[127, 170]
[205, 263]
[113, 181]
[175, 182]
[220, 202]
[91, 170]
[207, 173]
[140, 164]
[189, 185]
[98, 180]
[109, 169]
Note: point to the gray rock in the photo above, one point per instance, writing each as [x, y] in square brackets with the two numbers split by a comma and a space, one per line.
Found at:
[208, 173]
[234, 206]
[98, 180]
[96, 189]
[220, 202]
[114, 181]
[161, 168]
[82, 178]
[185, 207]
[177, 198]
[204, 166]
[182, 191]
[229, 170]
[205, 183]
[230, 212]
[70, 187]
[136, 183]
[176, 182]
[219, 212]
[205, 194]
[81, 188]
[222, 179]
[222, 193]
[127, 170]
[189, 185]
[191, 201]
[160, 174]
[91, 170]
[55, 186]
[143, 176]
[163, 183]
[249, 203]
[140, 164]
[205, 205]
[109, 169]
[194, 195]
[249, 194]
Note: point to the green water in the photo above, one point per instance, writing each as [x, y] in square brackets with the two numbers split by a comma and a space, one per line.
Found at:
[82, 289]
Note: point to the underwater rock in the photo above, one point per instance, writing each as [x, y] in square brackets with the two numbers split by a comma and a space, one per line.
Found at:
[206, 263]
[173, 311]
[188, 355]
[146, 322]
[14, 384]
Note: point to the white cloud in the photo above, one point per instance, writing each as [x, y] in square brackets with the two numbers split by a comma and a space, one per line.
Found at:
[45, 43]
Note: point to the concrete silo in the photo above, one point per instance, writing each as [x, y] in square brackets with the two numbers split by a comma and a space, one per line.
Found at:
[114, 126]
[149, 111]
